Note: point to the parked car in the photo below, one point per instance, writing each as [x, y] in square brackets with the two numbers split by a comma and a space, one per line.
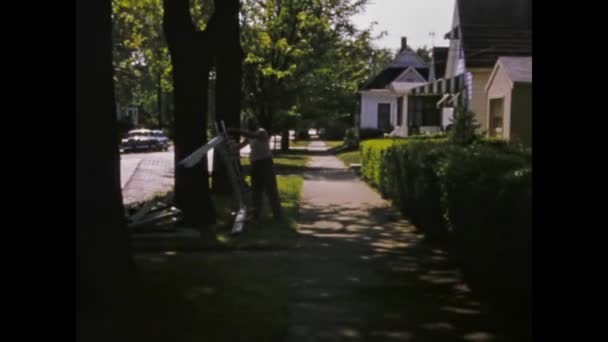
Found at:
[162, 138]
[145, 140]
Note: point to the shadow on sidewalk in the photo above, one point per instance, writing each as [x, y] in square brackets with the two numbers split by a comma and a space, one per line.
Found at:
[363, 272]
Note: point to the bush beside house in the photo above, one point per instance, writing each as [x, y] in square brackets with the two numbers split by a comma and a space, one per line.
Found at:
[473, 197]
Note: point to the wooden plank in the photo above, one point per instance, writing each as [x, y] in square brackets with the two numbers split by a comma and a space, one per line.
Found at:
[172, 213]
[198, 155]
[142, 212]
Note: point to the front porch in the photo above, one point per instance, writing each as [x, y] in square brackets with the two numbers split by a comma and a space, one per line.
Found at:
[431, 106]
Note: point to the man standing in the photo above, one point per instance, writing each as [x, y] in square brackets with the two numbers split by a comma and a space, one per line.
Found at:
[263, 178]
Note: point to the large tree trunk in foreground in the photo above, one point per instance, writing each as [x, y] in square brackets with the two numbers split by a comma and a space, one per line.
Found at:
[191, 57]
[104, 265]
[229, 72]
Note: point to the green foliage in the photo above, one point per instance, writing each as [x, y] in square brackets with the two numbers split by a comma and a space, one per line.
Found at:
[464, 126]
[487, 195]
[174, 296]
[412, 182]
[352, 157]
[475, 198]
[141, 57]
[334, 131]
[350, 139]
[373, 169]
[304, 58]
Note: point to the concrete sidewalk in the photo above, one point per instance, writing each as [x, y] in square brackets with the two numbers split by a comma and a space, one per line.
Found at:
[362, 273]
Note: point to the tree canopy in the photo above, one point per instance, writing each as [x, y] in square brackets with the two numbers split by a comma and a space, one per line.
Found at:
[304, 59]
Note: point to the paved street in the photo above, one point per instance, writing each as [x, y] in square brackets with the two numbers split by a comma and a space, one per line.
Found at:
[142, 175]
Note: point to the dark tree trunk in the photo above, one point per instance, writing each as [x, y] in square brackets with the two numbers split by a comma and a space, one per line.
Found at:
[104, 266]
[285, 140]
[191, 57]
[228, 66]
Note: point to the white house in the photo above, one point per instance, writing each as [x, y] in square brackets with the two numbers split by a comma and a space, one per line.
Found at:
[482, 31]
[384, 98]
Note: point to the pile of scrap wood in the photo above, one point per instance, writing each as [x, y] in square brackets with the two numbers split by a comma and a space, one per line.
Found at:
[154, 215]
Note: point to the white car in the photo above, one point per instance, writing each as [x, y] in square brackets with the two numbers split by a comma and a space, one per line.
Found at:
[145, 140]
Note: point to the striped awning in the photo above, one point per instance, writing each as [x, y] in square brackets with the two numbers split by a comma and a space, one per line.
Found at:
[441, 86]
[454, 87]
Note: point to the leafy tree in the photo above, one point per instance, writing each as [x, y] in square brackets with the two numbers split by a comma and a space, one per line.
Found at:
[425, 53]
[141, 59]
[304, 60]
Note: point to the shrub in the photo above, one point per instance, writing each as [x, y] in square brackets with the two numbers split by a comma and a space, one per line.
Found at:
[420, 197]
[477, 197]
[373, 169]
[350, 139]
[370, 133]
[463, 130]
[487, 197]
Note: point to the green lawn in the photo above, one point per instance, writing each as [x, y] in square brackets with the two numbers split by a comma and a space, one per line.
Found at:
[333, 143]
[299, 143]
[268, 233]
[222, 294]
[350, 157]
[213, 297]
[284, 162]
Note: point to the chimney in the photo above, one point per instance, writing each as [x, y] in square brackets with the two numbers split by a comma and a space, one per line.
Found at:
[403, 43]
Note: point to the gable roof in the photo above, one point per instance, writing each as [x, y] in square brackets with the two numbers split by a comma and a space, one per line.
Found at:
[384, 78]
[405, 59]
[493, 28]
[519, 69]
[388, 75]
[408, 58]
[410, 75]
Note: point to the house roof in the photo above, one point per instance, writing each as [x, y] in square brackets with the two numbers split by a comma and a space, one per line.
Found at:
[440, 57]
[384, 78]
[483, 45]
[388, 75]
[405, 59]
[493, 28]
[505, 13]
[519, 69]
[408, 58]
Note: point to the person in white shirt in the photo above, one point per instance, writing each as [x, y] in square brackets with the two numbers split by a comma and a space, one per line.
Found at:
[263, 178]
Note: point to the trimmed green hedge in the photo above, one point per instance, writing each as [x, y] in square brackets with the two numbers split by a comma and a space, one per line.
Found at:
[487, 197]
[372, 168]
[475, 199]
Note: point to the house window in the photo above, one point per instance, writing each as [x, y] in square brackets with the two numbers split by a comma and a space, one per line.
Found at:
[496, 117]
[384, 117]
